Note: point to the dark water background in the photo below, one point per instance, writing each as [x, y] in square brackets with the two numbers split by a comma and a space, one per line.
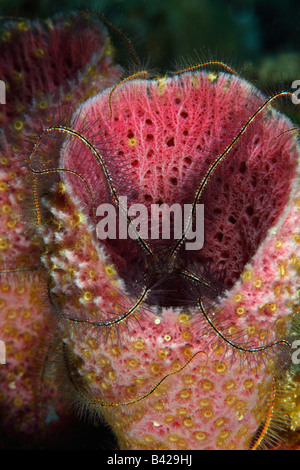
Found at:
[260, 34]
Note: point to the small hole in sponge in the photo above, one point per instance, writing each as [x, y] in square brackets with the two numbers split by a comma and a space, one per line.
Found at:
[149, 122]
[149, 137]
[188, 160]
[148, 197]
[170, 142]
[177, 101]
[174, 181]
[219, 236]
[135, 163]
[232, 219]
[184, 114]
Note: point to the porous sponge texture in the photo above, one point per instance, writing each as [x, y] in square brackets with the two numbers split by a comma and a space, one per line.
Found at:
[162, 136]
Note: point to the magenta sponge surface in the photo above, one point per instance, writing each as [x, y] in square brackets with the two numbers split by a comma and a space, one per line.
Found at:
[158, 139]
